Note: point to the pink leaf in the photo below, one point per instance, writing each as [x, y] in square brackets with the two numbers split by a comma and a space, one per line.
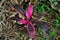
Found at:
[31, 29]
[23, 21]
[29, 11]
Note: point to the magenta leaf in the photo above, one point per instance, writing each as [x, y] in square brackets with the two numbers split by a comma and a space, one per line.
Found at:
[29, 11]
[31, 29]
[23, 21]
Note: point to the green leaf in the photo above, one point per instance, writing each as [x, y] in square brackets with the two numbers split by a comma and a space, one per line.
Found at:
[42, 8]
[37, 8]
[20, 35]
[52, 34]
[36, 1]
[42, 38]
[39, 31]
[57, 23]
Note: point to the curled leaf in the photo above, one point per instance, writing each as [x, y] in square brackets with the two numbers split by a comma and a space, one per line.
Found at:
[31, 29]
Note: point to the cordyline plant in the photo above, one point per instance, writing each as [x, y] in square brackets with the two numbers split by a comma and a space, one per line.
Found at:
[27, 21]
